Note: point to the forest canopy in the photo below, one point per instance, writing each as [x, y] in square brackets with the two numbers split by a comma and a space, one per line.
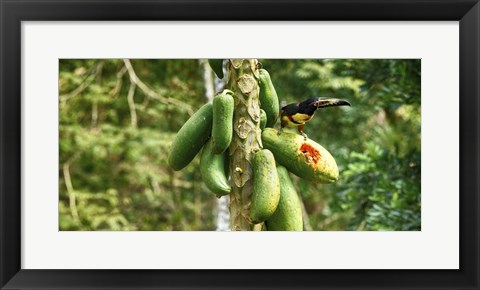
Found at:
[118, 118]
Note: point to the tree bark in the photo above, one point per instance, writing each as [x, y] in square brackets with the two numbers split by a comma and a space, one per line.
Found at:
[246, 140]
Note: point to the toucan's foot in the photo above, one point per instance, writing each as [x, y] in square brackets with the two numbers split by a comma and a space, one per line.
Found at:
[280, 131]
[300, 129]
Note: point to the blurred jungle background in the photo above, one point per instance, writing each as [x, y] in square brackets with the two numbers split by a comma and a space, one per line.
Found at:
[119, 117]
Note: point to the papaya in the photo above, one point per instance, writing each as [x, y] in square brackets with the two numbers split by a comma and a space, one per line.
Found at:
[222, 128]
[190, 138]
[268, 98]
[263, 119]
[304, 158]
[212, 169]
[288, 215]
[217, 67]
[266, 187]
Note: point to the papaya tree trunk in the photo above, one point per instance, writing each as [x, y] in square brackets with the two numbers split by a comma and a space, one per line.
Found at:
[243, 81]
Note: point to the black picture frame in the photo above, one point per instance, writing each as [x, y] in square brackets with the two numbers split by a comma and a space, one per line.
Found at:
[13, 12]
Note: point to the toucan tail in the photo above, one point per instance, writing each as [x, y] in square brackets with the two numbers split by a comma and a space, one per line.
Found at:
[329, 102]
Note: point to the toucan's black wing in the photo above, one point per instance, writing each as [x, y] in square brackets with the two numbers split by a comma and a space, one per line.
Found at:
[290, 109]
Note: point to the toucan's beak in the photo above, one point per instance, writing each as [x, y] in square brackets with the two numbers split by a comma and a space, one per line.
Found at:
[329, 102]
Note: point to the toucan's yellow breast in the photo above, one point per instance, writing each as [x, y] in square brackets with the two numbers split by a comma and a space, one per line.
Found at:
[287, 121]
[301, 118]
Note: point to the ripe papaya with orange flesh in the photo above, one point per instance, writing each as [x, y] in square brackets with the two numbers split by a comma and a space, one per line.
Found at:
[305, 158]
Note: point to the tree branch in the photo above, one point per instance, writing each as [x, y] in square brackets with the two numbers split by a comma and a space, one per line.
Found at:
[84, 84]
[152, 94]
[118, 84]
[131, 105]
[70, 190]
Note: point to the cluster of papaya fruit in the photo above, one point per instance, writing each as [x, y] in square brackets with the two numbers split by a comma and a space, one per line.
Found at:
[274, 199]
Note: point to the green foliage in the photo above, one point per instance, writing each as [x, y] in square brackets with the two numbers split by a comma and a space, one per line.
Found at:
[376, 142]
[119, 173]
[381, 190]
[113, 168]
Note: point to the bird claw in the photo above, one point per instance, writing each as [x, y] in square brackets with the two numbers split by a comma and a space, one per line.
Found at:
[305, 137]
[280, 131]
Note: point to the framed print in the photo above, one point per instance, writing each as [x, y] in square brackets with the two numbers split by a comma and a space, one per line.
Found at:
[339, 137]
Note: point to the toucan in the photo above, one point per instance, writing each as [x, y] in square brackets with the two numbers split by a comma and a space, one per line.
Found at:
[297, 114]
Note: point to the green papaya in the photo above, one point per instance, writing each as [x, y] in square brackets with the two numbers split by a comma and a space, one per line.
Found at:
[304, 158]
[222, 129]
[288, 215]
[268, 98]
[266, 187]
[217, 67]
[190, 138]
[263, 119]
[212, 169]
